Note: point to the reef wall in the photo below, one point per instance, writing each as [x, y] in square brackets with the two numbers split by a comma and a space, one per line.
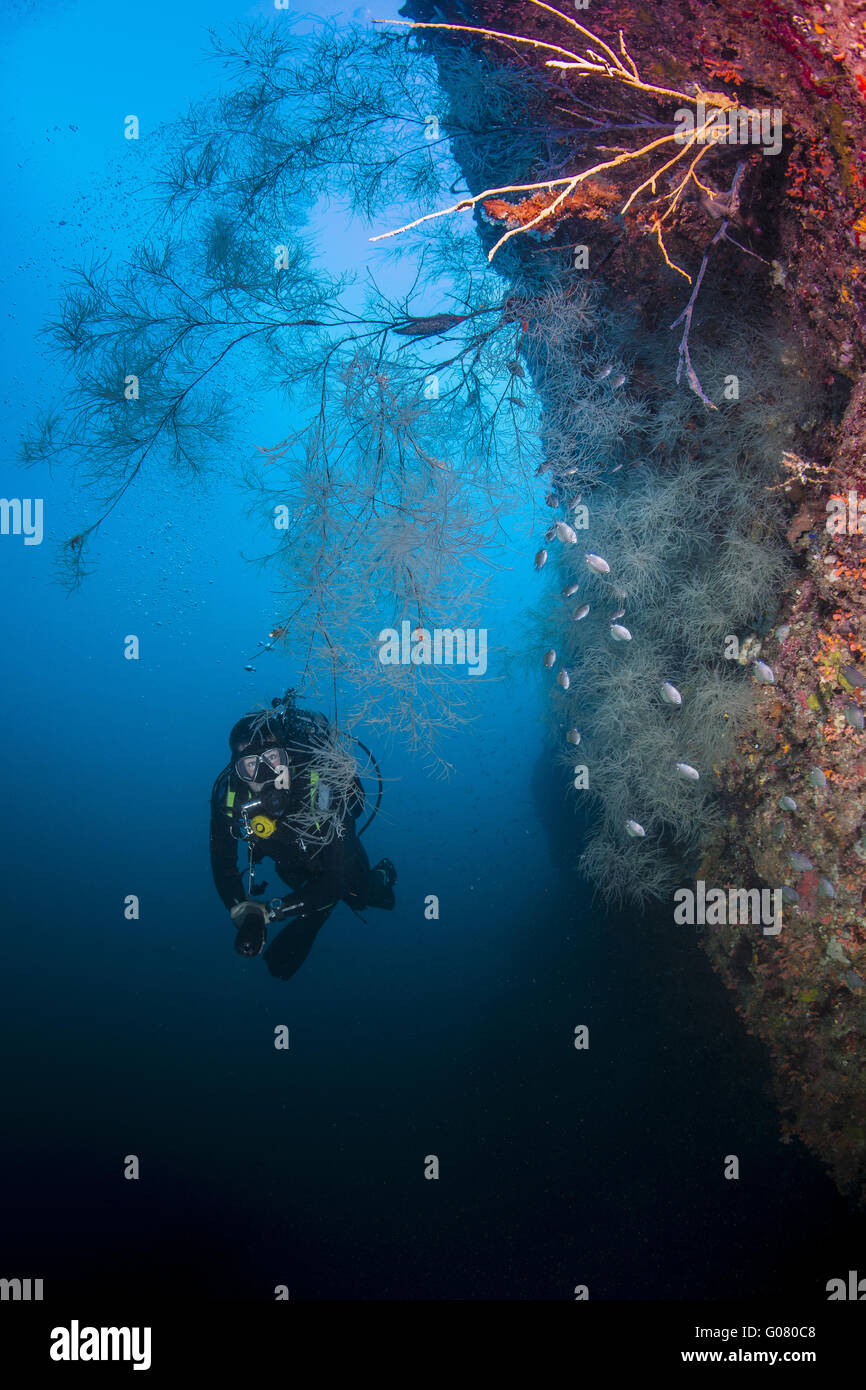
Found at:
[781, 310]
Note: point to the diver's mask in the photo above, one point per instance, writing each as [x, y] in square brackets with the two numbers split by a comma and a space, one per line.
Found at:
[263, 766]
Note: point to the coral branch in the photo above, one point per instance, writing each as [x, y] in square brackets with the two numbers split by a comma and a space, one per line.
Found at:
[686, 316]
[602, 61]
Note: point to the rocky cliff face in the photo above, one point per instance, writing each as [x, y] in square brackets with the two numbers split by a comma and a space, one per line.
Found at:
[770, 227]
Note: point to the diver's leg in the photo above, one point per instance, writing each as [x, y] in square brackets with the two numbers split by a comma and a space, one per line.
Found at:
[290, 948]
[356, 873]
[363, 886]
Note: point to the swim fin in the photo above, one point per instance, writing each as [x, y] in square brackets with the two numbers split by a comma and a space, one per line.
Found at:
[380, 888]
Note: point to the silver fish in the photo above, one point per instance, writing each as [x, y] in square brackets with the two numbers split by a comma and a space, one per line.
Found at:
[619, 633]
[689, 773]
[569, 590]
[541, 559]
[787, 803]
[619, 379]
[564, 679]
[763, 673]
[597, 564]
[817, 777]
[634, 829]
[581, 613]
[670, 694]
[566, 533]
[573, 736]
[550, 658]
[605, 371]
[620, 613]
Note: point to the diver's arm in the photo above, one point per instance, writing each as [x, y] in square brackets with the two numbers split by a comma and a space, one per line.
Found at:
[321, 891]
[224, 863]
[224, 852]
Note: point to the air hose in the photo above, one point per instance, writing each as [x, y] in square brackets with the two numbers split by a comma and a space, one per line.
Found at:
[379, 776]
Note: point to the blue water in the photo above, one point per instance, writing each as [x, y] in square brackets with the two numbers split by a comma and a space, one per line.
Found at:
[409, 1037]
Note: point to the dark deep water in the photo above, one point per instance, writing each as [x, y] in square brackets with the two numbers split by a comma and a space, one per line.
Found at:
[408, 1037]
[305, 1168]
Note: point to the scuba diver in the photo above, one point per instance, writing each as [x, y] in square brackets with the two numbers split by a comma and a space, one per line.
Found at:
[276, 797]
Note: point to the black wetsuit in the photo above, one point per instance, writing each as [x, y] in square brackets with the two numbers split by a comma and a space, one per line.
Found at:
[319, 875]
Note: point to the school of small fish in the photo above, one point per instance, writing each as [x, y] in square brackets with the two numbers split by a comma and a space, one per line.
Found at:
[668, 692]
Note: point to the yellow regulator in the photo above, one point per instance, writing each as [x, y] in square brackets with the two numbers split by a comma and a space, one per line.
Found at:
[263, 827]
